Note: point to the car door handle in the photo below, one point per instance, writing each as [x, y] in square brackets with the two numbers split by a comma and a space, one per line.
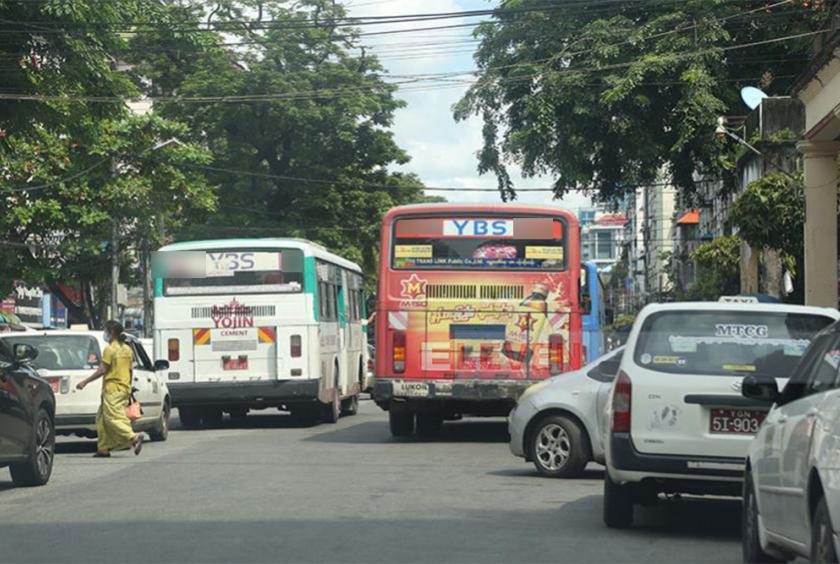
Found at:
[812, 412]
[782, 419]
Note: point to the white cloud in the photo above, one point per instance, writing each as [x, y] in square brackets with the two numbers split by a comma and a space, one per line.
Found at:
[442, 151]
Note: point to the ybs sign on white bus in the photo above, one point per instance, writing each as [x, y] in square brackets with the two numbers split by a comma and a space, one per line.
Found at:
[228, 263]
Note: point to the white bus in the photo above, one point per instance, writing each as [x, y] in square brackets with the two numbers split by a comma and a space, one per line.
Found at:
[257, 323]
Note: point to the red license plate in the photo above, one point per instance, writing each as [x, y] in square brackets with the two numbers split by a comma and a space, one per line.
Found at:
[235, 363]
[54, 383]
[736, 421]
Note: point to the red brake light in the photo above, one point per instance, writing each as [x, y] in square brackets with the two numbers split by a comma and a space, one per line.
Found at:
[295, 347]
[398, 352]
[173, 347]
[622, 401]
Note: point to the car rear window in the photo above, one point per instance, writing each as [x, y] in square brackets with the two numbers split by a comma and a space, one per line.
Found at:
[60, 352]
[726, 342]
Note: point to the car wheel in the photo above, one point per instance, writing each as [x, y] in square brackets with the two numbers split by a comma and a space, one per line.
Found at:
[750, 537]
[822, 543]
[618, 504]
[37, 469]
[429, 424]
[332, 410]
[401, 423]
[558, 447]
[190, 417]
[350, 406]
[161, 429]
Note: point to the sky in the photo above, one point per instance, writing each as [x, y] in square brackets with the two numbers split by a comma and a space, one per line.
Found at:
[443, 152]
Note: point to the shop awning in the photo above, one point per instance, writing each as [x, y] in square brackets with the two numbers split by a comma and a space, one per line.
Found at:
[689, 218]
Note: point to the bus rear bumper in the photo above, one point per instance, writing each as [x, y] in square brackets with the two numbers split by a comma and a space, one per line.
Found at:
[477, 390]
[254, 394]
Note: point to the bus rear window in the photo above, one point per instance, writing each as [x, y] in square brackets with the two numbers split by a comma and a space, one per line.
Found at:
[523, 243]
[725, 343]
[226, 271]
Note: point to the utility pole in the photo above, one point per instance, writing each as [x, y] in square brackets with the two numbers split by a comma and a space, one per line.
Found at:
[115, 255]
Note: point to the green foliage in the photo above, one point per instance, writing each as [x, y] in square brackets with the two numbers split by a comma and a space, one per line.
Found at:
[604, 98]
[770, 213]
[718, 268]
[341, 138]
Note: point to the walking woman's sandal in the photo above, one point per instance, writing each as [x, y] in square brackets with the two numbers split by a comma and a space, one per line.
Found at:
[137, 444]
[99, 454]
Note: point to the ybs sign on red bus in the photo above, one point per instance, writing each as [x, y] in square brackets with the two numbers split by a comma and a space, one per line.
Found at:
[476, 303]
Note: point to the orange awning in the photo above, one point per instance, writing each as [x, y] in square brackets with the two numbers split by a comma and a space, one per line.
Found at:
[689, 218]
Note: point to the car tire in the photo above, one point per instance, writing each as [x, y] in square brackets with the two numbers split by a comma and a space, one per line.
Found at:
[429, 424]
[618, 504]
[822, 532]
[332, 411]
[160, 432]
[190, 417]
[750, 539]
[350, 406]
[558, 447]
[37, 468]
[401, 423]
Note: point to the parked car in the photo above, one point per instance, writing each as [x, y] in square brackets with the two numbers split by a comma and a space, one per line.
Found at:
[68, 357]
[678, 421]
[792, 476]
[27, 427]
[558, 424]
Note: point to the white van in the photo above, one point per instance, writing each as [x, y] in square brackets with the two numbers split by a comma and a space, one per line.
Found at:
[65, 358]
[678, 421]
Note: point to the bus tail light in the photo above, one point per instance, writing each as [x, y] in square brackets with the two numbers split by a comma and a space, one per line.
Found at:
[555, 354]
[295, 347]
[622, 401]
[173, 346]
[398, 352]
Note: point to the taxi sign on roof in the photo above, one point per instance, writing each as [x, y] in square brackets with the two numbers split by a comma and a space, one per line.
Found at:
[738, 299]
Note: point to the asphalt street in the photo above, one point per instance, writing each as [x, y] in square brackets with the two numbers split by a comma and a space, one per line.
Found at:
[271, 490]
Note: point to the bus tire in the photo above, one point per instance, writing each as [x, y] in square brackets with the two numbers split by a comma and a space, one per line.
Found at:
[306, 415]
[401, 423]
[429, 424]
[212, 417]
[190, 417]
[350, 406]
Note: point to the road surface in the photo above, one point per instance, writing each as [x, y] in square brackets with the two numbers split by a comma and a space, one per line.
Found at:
[274, 491]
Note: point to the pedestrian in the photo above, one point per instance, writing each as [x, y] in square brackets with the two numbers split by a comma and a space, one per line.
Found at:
[113, 427]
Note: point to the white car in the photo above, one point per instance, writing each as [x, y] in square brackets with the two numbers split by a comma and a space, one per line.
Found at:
[558, 424]
[66, 357]
[678, 421]
[792, 478]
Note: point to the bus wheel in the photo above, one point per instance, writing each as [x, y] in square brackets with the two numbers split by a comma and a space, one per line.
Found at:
[401, 422]
[350, 406]
[306, 415]
[212, 417]
[190, 417]
[332, 410]
[429, 424]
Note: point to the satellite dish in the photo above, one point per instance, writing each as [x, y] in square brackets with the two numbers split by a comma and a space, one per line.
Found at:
[752, 96]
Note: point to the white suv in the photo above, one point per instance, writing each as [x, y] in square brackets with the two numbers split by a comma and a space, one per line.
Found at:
[792, 479]
[678, 421]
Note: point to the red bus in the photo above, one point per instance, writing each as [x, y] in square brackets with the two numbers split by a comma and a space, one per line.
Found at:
[475, 304]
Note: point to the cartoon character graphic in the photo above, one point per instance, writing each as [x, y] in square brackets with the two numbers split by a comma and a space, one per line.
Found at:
[530, 325]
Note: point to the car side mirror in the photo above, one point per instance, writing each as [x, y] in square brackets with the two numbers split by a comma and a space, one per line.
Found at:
[24, 352]
[161, 365]
[762, 389]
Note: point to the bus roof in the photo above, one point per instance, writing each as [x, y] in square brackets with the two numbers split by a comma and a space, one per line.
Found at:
[443, 208]
[308, 247]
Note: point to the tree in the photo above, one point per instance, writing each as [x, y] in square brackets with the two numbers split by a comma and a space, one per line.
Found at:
[605, 96]
[307, 153]
[718, 269]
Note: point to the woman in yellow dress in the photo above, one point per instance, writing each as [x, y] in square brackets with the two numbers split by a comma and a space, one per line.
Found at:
[113, 427]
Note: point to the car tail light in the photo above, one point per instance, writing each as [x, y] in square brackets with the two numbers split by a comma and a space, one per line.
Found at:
[555, 354]
[174, 348]
[622, 401]
[370, 364]
[398, 352]
[295, 347]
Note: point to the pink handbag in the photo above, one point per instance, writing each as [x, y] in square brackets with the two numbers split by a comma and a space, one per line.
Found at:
[133, 411]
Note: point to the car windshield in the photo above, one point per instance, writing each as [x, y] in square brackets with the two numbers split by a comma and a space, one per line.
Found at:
[726, 342]
[60, 352]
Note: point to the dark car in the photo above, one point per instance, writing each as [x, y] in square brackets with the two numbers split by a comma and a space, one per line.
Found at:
[27, 418]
